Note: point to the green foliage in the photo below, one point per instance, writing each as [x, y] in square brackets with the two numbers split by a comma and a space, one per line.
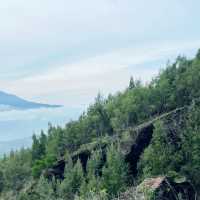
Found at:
[23, 196]
[55, 146]
[94, 163]
[2, 181]
[191, 147]
[38, 146]
[92, 182]
[45, 189]
[38, 167]
[165, 157]
[157, 156]
[16, 170]
[115, 171]
[108, 181]
[73, 179]
[102, 195]
[131, 84]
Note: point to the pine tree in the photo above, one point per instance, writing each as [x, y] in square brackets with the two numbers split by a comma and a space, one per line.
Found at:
[43, 142]
[92, 182]
[45, 189]
[2, 181]
[191, 147]
[198, 54]
[37, 150]
[94, 164]
[73, 180]
[114, 175]
[131, 83]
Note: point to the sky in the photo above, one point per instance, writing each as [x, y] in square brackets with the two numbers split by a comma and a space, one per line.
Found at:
[65, 52]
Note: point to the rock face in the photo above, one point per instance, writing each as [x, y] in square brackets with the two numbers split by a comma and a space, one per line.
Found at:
[160, 188]
[142, 141]
[132, 146]
[164, 188]
[57, 171]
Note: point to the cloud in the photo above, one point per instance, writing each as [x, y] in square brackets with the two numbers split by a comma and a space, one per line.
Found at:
[78, 83]
[65, 51]
[43, 114]
[37, 35]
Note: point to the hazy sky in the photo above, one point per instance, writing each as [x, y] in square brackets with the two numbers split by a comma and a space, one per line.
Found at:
[65, 51]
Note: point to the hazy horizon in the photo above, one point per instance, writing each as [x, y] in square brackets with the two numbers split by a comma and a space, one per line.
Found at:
[66, 52]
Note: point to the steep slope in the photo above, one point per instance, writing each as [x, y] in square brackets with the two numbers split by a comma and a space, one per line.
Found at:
[146, 131]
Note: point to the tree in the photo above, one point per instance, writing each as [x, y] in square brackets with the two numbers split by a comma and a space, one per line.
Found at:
[98, 120]
[94, 163]
[114, 175]
[92, 181]
[38, 167]
[73, 179]
[56, 142]
[2, 181]
[45, 189]
[131, 83]
[152, 163]
[198, 54]
[191, 147]
[179, 152]
[43, 143]
[38, 146]
[16, 170]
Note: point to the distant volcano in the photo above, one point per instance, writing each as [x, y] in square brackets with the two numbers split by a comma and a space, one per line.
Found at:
[10, 102]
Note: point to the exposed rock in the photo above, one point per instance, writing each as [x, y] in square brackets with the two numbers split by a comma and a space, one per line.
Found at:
[56, 171]
[132, 142]
[164, 188]
[160, 188]
[137, 147]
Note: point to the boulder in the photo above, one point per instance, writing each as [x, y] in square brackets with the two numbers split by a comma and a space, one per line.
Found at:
[166, 188]
[160, 188]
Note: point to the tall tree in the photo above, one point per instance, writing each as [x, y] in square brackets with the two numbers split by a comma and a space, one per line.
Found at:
[114, 175]
[73, 179]
[131, 83]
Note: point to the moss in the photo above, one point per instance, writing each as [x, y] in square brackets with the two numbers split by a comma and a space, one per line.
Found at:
[89, 147]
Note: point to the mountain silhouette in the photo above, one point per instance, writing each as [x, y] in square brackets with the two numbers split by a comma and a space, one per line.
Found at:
[10, 101]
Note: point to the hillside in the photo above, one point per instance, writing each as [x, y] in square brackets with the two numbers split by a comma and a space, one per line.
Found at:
[141, 143]
[9, 102]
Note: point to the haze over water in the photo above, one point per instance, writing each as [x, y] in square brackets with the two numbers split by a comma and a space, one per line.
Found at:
[17, 126]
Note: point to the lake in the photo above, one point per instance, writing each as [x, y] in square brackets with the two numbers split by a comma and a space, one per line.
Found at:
[18, 126]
